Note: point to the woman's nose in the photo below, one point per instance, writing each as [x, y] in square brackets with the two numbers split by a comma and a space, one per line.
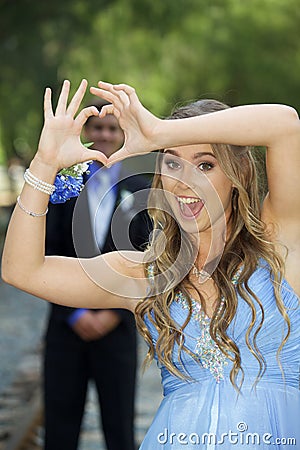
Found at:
[188, 176]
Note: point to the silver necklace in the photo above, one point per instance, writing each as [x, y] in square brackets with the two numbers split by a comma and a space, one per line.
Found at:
[201, 274]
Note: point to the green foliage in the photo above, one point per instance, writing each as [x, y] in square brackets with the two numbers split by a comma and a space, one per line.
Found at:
[170, 51]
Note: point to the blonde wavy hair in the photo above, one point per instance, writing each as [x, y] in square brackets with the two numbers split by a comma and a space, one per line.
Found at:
[247, 244]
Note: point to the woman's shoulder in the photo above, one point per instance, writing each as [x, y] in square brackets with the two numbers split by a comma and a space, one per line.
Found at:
[127, 262]
[262, 283]
[119, 273]
[129, 269]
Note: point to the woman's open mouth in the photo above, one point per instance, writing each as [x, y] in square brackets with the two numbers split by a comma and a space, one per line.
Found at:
[190, 207]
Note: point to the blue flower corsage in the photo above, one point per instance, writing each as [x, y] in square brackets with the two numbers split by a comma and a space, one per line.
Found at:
[69, 182]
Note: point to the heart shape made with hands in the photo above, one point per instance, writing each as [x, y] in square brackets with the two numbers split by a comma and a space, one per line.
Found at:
[135, 120]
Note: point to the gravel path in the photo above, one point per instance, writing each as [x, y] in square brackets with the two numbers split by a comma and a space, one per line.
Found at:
[22, 323]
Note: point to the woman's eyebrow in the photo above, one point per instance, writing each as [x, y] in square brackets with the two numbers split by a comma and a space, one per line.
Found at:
[196, 155]
[200, 154]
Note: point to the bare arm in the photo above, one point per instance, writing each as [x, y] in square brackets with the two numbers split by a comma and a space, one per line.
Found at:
[114, 280]
[24, 263]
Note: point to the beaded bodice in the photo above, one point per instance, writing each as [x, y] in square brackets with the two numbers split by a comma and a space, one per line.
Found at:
[204, 350]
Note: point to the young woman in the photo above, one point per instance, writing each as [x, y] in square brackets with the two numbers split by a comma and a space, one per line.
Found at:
[219, 282]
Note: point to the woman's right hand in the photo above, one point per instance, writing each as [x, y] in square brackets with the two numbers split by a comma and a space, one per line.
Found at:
[60, 145]
[139, 125]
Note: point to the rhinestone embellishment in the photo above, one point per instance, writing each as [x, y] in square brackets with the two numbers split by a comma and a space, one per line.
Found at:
[206, 349]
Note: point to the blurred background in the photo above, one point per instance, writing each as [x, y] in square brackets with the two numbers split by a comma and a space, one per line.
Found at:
[172, 52]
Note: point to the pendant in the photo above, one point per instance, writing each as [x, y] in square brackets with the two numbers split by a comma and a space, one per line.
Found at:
[202, 275]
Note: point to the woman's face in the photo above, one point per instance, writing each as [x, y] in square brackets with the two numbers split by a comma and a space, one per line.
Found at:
[197, 190]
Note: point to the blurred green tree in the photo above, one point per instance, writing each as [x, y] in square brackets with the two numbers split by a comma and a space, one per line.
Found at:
[236, 51]
[35, 37]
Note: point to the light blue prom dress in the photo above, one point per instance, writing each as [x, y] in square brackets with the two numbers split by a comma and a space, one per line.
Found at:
[206, 412]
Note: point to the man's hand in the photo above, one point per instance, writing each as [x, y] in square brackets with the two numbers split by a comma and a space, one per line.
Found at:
[92, 325]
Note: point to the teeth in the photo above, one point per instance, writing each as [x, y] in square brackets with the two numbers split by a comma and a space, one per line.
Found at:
[188, 200]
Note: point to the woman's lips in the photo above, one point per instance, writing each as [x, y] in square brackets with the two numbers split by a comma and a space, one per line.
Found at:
[190, 207]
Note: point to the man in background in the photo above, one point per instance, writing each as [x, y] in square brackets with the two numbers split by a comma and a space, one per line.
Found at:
[99, 345]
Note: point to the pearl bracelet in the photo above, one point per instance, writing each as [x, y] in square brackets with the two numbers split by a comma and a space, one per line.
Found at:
[30, 213]
[38, 184]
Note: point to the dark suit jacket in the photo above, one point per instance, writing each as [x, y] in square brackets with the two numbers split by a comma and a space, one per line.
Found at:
[69, 233]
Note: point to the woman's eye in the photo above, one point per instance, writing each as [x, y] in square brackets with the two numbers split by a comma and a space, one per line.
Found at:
[173, 165]
[205, 166]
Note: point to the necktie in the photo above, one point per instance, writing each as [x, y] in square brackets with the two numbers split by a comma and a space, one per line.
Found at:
[101, 199]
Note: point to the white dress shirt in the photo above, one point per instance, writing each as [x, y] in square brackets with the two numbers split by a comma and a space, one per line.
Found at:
[102, 194]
